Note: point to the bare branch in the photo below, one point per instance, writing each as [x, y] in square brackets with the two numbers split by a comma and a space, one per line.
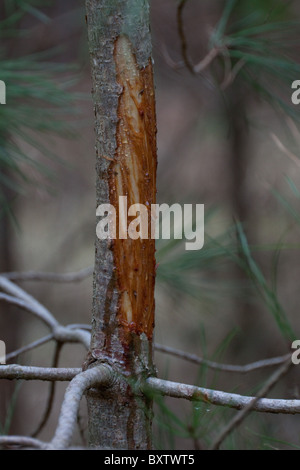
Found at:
[51, 393]
[40, 342]
[168, 59]
[286, 151]
[241, 415]
[51, 322]
[50, 277]
[65, 334]
[20, 298]
[81, 326]
[29, 302]
[215, 397]
[264, 363]
[29, 347]
[68, 416]
[231, 76]
[181, 33]
[22, 441]
[207, 60]
[17, 372]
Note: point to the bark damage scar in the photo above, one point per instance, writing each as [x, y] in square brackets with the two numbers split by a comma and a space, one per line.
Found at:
[133, 174]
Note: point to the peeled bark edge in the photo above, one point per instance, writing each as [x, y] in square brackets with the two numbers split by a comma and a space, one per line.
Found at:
[119, 417]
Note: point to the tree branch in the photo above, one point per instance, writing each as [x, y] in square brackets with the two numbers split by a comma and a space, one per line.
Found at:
[285, 150]
[68, 416]
[17, 372]
[207, 60]
[22, 441]
[29, 347]
[17, 296]
[239, 417]
[50, 277]
[51, 393]
[215, 397]
[29, 303]
[181, 33]
[253, 366]
[231, 76]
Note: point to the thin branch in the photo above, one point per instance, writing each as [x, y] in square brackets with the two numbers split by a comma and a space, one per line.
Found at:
[40, 342]
[51, 322]
[231, 76]
[51, 393]
[17, 372]
[22, 441]
[17, 296]
[29, 302]
[168, 59]
[64, 334]
[293, 127]
[50, 277]
[210, 56]
[285, 150]
[215, 397]
[181, 33]
[29, 347]
[265, 363]
[81, 326]
[207, 60]
[68, 416]
[241, 415]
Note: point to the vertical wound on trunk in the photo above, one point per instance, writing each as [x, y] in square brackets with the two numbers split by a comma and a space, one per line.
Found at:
[133, 174]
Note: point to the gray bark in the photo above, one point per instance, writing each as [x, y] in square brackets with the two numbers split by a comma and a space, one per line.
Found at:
[123, 292]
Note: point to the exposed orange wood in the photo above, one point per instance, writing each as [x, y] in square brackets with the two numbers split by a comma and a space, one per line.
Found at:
[133, 174]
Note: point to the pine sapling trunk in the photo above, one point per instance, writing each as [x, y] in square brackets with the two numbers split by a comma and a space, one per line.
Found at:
[124, 276]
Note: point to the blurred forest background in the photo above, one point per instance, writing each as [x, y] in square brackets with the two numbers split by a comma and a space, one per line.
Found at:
[228, 137]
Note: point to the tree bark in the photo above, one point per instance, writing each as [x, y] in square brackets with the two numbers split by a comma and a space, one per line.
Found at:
[124, 275]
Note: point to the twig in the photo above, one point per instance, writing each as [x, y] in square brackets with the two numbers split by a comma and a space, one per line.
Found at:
[231, 76]
[17, 372]
[51, 393]
[293, 127]
[26, 302]
[241, 415]
[64, 334]
[274, 361]
[68, 416]
[22, 299]
[40, 342]
[22, 441]
[29, 347]
[181, 33]
[210, 56]
[168, 59]
[207, 60]
[80, 326]
[215, 397]
[50, 277]
[286, 151]
[29, 308]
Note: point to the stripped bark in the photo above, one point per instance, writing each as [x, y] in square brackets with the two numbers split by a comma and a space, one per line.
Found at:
[124, 275]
